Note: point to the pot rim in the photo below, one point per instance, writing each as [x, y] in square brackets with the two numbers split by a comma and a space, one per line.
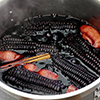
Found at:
[44, 97]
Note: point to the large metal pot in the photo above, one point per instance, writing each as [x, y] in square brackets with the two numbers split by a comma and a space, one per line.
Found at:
[16, 10]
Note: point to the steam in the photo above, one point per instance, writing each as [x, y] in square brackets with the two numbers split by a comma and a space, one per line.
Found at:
[16, 9]
[1, 0]
[12, 11]
[62, 1]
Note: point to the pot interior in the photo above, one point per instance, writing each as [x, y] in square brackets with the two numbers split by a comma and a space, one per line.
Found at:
[10, 12]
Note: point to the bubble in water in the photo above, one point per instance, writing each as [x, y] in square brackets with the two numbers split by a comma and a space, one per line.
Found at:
[10, 12]
[12, 20]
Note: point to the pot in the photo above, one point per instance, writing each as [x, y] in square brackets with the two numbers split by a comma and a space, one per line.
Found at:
[12, 11]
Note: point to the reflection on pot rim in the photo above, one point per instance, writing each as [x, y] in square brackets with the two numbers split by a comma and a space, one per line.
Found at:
[1, 0]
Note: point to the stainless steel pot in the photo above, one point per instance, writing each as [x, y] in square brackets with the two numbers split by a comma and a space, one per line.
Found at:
[16, 10]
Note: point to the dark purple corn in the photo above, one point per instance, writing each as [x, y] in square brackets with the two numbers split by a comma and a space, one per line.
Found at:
[46, 50]
[19, 42]
[69, 24]
[88, 49]
[68, 67]
[37, 50]
[33, 87]
[79, 68]
[85, 47]
[85, 73]
[19, 47]
[12, 39]
[30, 43]
[35, 78]
[9, 43]
[84, 59]
[71, 75]
[76, 84]
[83, 52]
[30, 24]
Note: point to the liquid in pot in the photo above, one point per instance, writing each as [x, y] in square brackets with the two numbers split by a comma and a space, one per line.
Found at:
[74, 61]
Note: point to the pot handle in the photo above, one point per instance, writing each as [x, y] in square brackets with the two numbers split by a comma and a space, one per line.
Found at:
[97, 93]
